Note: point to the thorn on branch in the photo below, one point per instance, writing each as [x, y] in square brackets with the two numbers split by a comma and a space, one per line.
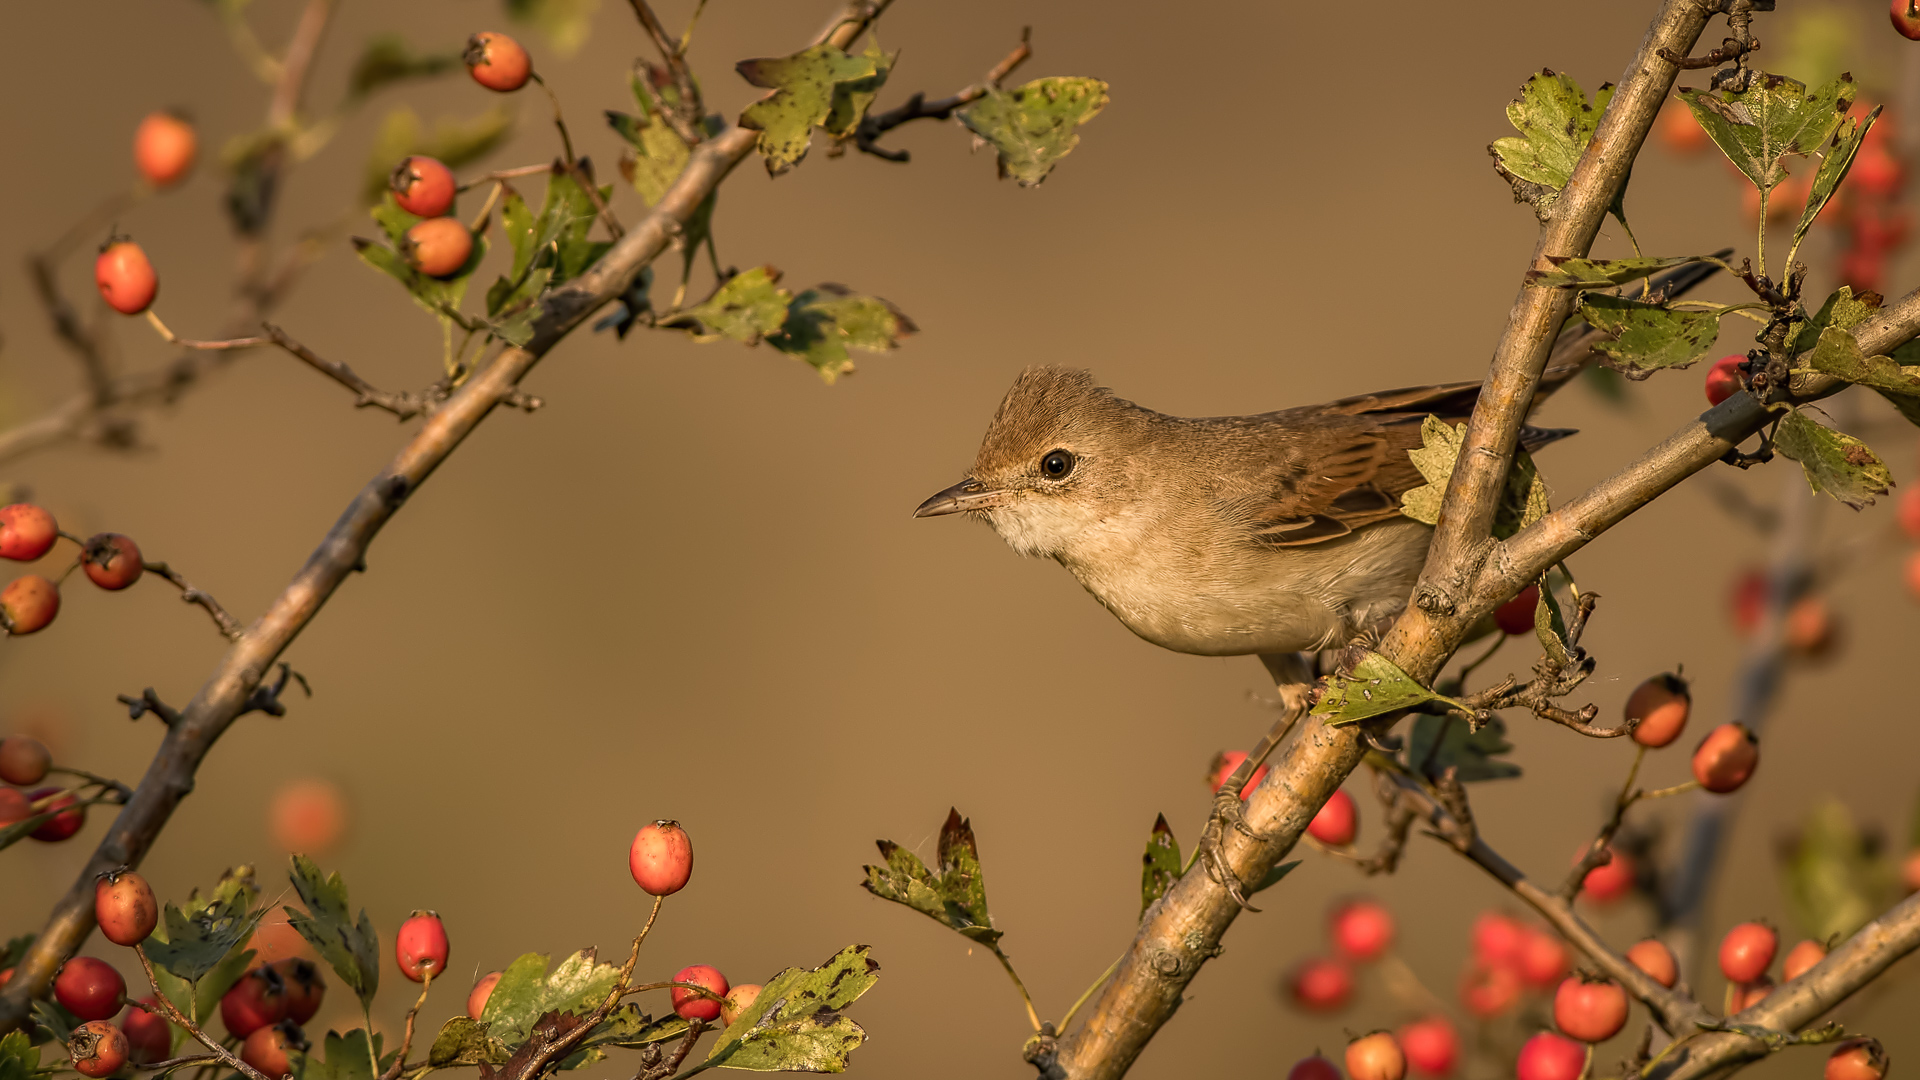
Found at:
[149, 702]
[266, 698]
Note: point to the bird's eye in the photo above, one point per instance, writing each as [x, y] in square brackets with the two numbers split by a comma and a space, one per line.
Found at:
[1056, 465]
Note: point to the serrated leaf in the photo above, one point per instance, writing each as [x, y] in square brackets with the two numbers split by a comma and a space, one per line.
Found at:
[1838, 353]
[347, 1057]
[526, 992]
[1036, 125]
[1160, 866]
[1644, 338]
[58, 1022]
[438, 295]
[565, 23]
[388, 59]
[803, 88]
[453, 141]
[852, 98]
[1842, 309]
[1835, 884]
[1376, 686]
[571, 212]
[1834, 165]
[749, 306]
[659, 154]
[1475, 753]
[1569, 273]
[202, 935]
[463, 1041]
[954, 897]
[1555, 122]
[822, 323]
[351, 948]
[19, 1058]
[1525, 499]
[796, 1024]
[1835, 462]
[1775, 117]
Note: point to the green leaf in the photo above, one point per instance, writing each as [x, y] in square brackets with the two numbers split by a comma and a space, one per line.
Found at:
[796, 1024]
[659, 153]
[803, 86]
[955, 897]
[1033, 127]
[852, 98]
[58, 1022]
[15, 950]
[19, 1058]
[1161, 865]
[1842, 309]
[1643, 337]
[455, 142]
[746, 308]
[1475, 753]
[347, 1058]
[628, 1027]
[387, 59]
[571, 212]
[1835, 884]
[199, 938]
[1835, 462]
[1555, 122]
[1833, 168]
[527, 992]
[1524, 502]
[1376, 686]
[1773, 118]
[822, 323]
[437, 295]
[1549, 625]
[1837, 353]
[1569, 273]
[565, 23]
[352, 948]
[463, 1041]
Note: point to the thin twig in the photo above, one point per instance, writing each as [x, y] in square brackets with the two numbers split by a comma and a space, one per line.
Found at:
[225, 1056]
[871, 127]
[403, 406]
[229, 626]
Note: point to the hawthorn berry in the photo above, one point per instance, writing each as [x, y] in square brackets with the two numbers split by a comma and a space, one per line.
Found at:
[149, 1036]
[24, 760]
[6, 976]
[88, 988]
[692, 1005]
[1610, 881]
[1858, 1059]
[1748, 600]
[112, 561]
[1320, 984]
[26, 532]
[1679, 131]
[1314, 1068]
[1361, 930]
[124, 906]
[29, 603]
[1591, 1010]
[1653, 957]
[125, 277]
[482, 990]
[1906, 21]
[661, 858]
[97, 1048]
[1801, 959]
[1376, 1056]
[305, 987]
[1431, 1045]
[1747, 951]
[1726, 758]
[1910, 873]
[163, 148]
[422, 186]
[1543, 960]
[739, 1000]
[1337, 822]
[14, 806]
[1223, 765]
[257, 1000]
[1516, 615]
[1909, 513]
[1809, 626]
[307, 816]
[1744, 996]
[1488, 990]
[1498, 939]
[63, 824]
[497, 62]
[1658, 709]
[1547, 1056]
[420, 948]
[1723, 379]
[437, 247]
[269, 1048]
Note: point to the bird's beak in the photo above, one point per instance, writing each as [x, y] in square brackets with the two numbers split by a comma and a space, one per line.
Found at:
[968, 494]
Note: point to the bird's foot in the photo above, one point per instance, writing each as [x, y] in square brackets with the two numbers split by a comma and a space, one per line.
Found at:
[1228, 812]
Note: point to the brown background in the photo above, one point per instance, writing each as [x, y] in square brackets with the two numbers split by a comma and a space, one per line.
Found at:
[690, 586]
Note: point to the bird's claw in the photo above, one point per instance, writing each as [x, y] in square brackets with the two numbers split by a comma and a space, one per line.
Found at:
[1227, 810]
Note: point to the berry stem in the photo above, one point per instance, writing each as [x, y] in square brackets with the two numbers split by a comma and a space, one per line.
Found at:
[1005, 962]
[406, 1040]
[220, 1052]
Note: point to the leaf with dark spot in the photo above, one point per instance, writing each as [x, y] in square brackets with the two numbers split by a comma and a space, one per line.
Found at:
[1835, 462]
[955, 897]
[795, 1025]
[1773, 119]
[1161, 865]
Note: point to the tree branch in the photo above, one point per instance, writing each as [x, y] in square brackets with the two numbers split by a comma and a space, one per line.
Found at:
[872, 126]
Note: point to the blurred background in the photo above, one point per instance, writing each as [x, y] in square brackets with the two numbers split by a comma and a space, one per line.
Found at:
[689, 587]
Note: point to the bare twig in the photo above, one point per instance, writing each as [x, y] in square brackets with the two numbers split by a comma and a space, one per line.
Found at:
[149, 702]
[229, 626]
[871, 127]
[404, 406]
[226, 1056]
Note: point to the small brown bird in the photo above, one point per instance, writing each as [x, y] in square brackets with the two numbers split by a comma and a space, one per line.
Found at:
[1226, 535]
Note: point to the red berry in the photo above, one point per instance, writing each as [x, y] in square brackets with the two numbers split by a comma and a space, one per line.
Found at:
[97, 1048]
[422, 186]
[1747, 951]
[1337, 821]
[1516, 615]
[1726, 758]
[124, 907]
[269, 1049]
[1809, 626]
[6, 976]
[739, 1000]
[26, 532]
[1498, 939]
[1654, 958]
[14, 806]
[437, 247]
[1744, 996]
[307, 816]
[149, 1036]
[1858, 1059]
[163, 148]
[1909, 512]
[257, 1000]
[1590, 1010]
[1801, 959]
[1877, 174]
[112, 561]
[1749, 600]
[1487, 991]
[1660, 706]
[29, 603]
[1907, 21]
[1679, 131]
[661, 858]
[1543, 960]
[1223, 765]
[305, 987]
[477, 997]
[24, 760]
[1723, 379]
[1320, 984]
[420, 948]
[1910, 873]
[497, 62]
[64, 824]
[1607, 883]
[1362, 930]
[125, 277]
[692, 1005]
[1376, 1056]
[89, 989]
[1431, 1045]
[1314, 1068]
[1547, 1056]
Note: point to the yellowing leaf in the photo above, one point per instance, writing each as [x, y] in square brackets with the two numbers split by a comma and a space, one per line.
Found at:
[1035, 126]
